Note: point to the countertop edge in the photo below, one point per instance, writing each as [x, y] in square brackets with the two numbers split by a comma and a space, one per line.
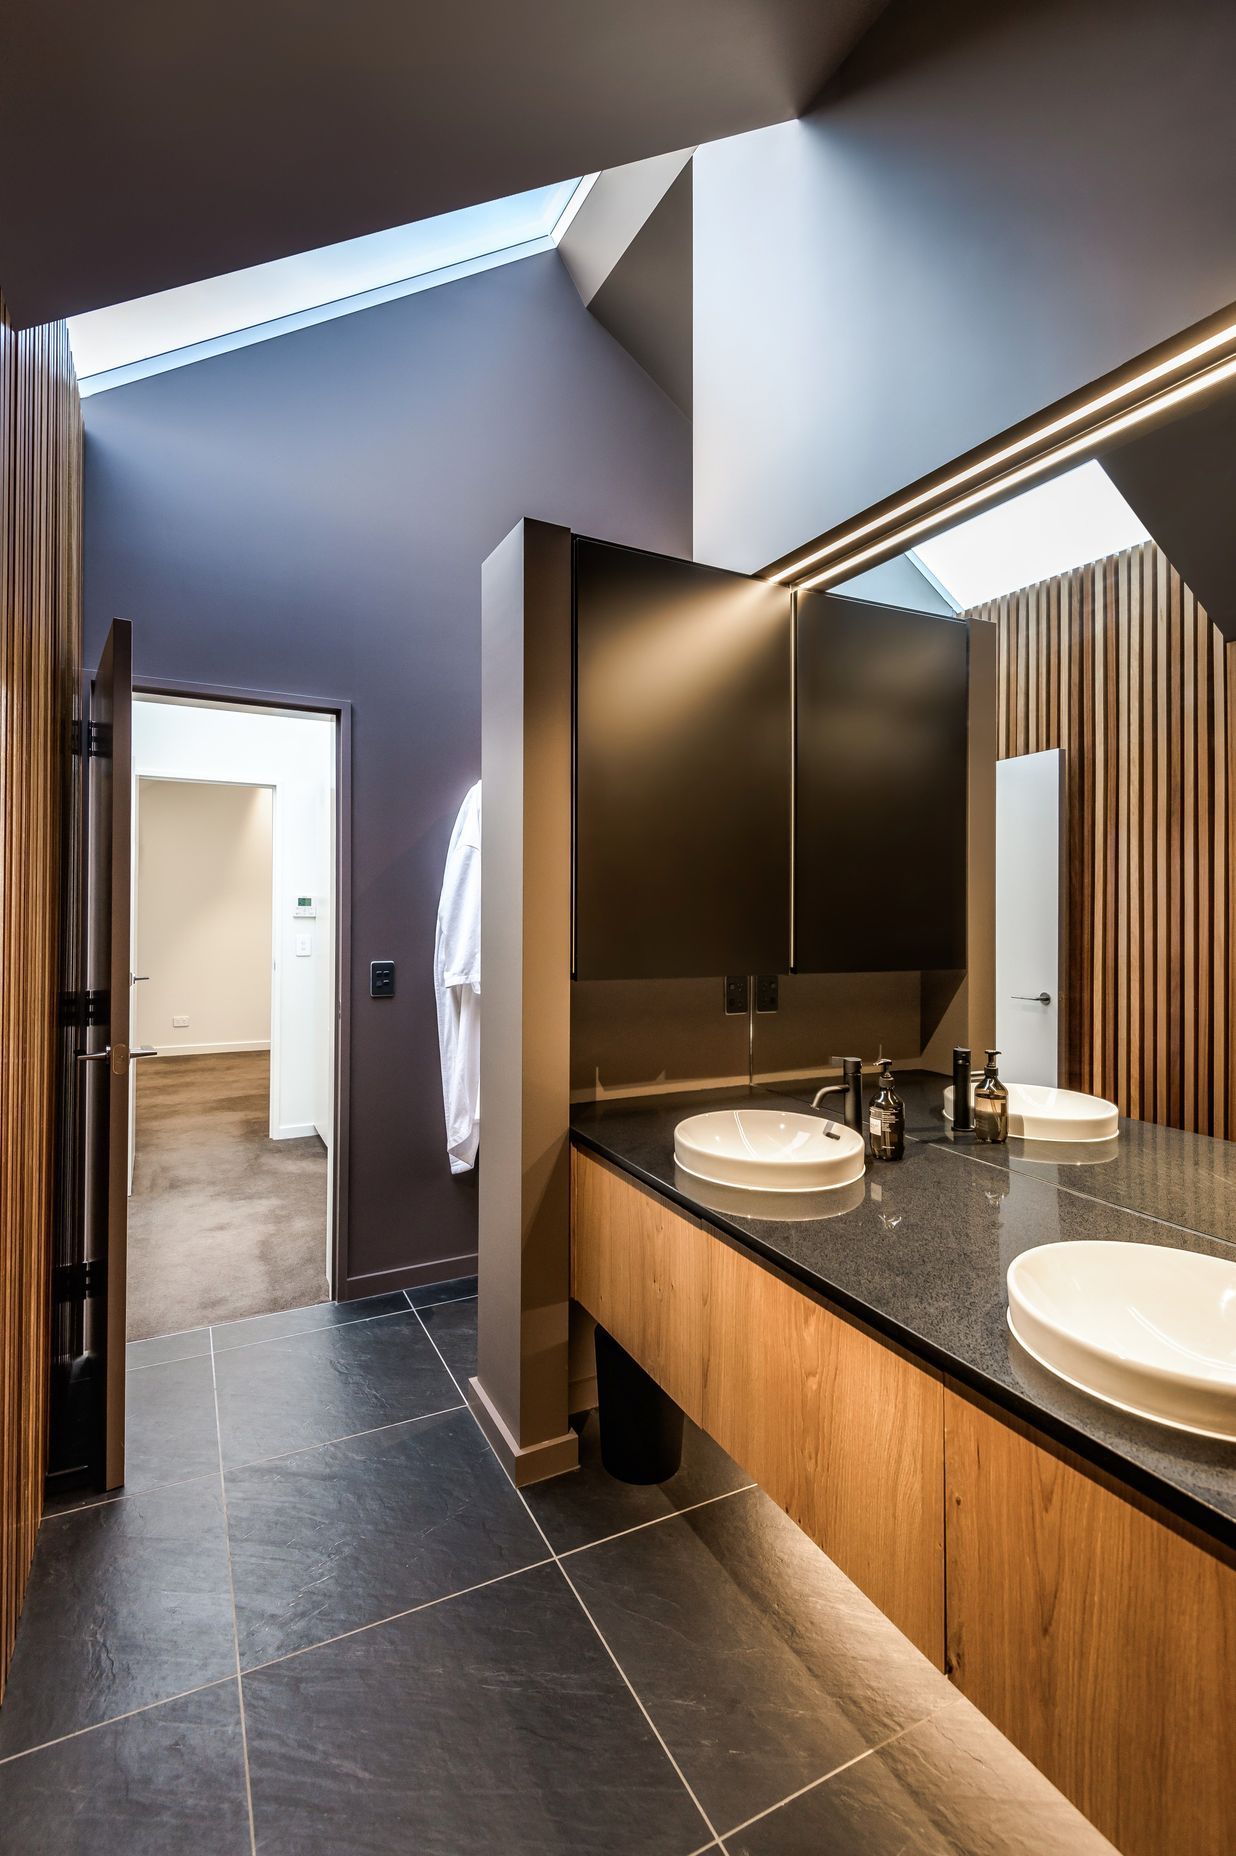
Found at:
[1207, 1521]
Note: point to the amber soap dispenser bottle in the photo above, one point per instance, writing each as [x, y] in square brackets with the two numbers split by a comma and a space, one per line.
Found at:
[991, 1104]
[886, 1123]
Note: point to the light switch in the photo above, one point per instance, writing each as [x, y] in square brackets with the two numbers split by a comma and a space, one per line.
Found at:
[304, 945]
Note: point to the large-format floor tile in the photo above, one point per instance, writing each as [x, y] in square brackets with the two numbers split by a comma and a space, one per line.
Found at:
[491, 1722]
[165, 1347]
[587, 1504]
[229, 1334]
[332, 1382]
[331, 1538]
[760, 1663]
[456, 1289]
[129, 1603]
[170, 1429]
[452, 1327]
[952, 1787]
[167, 1782]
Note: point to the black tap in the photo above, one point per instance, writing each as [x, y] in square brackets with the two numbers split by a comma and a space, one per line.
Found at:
[851, 1087]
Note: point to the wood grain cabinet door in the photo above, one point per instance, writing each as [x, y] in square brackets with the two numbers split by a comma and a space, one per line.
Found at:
[1097, 1637]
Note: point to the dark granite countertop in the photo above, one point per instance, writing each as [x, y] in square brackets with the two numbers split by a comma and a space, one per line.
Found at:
[919, 1251]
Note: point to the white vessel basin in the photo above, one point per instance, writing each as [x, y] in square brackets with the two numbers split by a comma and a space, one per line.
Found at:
[1141, 1326]
[1037, 1113]
[769, 1150]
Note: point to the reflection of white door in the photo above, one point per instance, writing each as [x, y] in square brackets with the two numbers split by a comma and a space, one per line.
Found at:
[1029, 915]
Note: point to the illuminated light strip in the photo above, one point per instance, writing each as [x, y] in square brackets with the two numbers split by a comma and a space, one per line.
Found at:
[1136, 415]
[994, 459]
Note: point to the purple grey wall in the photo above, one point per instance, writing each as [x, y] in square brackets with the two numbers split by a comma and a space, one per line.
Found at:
[996, 204]
[310, 515]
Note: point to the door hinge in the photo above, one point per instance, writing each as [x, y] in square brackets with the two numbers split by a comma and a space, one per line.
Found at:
[79, 1009]
[78, 1282]
[75, 736]
[99, 740]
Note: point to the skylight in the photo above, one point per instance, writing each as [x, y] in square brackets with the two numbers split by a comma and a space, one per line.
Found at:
[177, 326]
[1076, 518]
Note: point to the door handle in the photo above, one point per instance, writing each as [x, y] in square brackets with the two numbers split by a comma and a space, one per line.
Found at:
[1033, 998]
[135, 977]
[122, 1055]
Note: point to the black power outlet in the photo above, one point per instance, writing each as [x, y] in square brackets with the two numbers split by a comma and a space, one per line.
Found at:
[737, 997]
[766, 991]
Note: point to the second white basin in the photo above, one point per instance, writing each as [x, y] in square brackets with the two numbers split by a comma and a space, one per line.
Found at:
[769, 1150]
[1142, 1326]
[1037, 1113]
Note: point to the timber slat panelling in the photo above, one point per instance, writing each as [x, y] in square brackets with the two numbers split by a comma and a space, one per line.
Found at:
[40, 658]
[1117, 664]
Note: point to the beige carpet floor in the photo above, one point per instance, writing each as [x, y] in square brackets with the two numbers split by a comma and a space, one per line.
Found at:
[223, 1221]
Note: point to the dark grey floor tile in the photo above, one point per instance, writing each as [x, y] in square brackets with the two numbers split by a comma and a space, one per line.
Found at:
[495, 1721]
[587, 1504]
[760, 1663]
[332, 1538]
[452, 1328]
[457, 1289]
[333, 1382]
[165, 1782]
[129, 1603]
[165, 1347]
[231, 1334]
[952, 1787]
[170, 1429]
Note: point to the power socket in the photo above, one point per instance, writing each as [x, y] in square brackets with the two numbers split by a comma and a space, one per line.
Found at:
[766, 992]
[737, 997]
[179, 1021]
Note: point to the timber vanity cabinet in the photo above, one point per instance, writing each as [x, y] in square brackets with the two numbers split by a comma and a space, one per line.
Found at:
[1093, 1627]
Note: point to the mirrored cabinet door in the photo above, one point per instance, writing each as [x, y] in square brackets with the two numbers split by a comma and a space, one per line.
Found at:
[684, 705]
[881, 798]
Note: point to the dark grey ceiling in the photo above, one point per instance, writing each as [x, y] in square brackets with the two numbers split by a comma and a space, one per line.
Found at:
[145, 144]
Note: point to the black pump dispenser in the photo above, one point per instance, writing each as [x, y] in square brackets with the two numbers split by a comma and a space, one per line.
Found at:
[887, 1121]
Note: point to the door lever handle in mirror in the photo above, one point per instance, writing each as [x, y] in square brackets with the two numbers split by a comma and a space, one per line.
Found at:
[120, 1054]
[1034, 998]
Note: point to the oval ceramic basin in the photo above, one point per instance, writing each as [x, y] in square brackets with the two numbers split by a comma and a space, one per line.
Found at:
[1037, 1113]
[1141, 1326]
[769, 1150]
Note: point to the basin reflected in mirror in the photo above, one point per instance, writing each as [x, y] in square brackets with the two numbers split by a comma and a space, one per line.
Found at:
[773, 1207]
[769, 1150]
[1037, 1113]
[1144, 1327]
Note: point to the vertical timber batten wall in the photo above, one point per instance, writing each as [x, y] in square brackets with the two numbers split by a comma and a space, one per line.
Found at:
[40, 665]
[1117, 664]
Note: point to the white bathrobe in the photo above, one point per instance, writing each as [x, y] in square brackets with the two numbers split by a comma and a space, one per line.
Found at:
[457, 985]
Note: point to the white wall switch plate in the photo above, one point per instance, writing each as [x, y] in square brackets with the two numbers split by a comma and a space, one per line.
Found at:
[304, 945]
[179, 1021]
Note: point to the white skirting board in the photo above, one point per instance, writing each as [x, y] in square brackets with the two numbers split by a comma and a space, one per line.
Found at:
[211, 1050]
[295, 1131]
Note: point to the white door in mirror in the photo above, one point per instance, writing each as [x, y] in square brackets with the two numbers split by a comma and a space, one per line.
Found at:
[771, 1150]
[1041, 1114]
[1141, 1326]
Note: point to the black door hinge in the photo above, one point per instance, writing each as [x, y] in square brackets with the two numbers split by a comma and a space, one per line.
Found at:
[79, 1009]
[78, 1282]
[99, 740]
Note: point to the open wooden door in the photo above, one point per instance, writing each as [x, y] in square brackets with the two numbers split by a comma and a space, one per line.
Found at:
[104, 1051]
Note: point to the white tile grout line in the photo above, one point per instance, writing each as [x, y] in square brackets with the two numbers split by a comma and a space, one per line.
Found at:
[573, 1588]
[671, 1514]
[835, 1772]
[147, 1707]
[319, 1327]
[231, 1580]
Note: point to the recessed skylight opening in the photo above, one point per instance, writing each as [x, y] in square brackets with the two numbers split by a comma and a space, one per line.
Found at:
[1065, 523]
[177, 326]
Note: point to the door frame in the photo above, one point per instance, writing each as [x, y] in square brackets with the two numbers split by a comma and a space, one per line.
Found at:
[341, 709]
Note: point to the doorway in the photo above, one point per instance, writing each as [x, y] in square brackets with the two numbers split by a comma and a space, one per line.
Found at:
[235, 986]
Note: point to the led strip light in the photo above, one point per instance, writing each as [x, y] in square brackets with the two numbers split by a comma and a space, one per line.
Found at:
[934, 499]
